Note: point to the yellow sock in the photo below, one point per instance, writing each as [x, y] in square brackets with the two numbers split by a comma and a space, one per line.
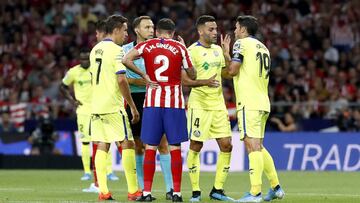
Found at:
[109, 163]
[129, 165]
[100, 163]
[269, 169]
[222, 169]
[193, 162]
[85, 157]
[256, 167]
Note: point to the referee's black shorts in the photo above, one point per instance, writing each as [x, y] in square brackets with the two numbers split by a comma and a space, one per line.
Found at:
[138, 98]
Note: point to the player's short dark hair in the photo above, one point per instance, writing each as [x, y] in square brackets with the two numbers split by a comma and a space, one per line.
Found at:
[165, 24]
[204, 19]
[84, 50]
[114, 21]
[250, 22]
[101, 26]
[138, 20]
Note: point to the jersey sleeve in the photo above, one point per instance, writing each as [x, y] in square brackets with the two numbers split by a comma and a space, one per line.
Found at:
[192, 54]
[238, 52]
[140, 47]
[69, 77]
[127, 47]
[119, 68]
[186, 61]
[222, 62]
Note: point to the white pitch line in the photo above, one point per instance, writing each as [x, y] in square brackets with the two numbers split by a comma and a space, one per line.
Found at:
[323, 194]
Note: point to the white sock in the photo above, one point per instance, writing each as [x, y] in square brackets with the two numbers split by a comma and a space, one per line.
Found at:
[146, 193]
[177, 193]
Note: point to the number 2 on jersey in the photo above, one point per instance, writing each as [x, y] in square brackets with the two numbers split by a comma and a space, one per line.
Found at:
[98, 61]
[165, 65]
[264, 60]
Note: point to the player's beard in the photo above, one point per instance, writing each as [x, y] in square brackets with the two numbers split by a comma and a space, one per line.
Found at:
[85, 65]
[211, 40]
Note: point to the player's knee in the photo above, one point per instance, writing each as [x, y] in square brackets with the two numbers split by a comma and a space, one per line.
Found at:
[226, 147]
[252, 144]
[128, 144]
[253, 147]
[103, 146]
[176, 146]
[163, 149]
[139, 150]
[139, 147]
[196, 145]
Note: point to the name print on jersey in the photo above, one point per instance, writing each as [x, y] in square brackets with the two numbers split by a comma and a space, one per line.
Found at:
[163, 46]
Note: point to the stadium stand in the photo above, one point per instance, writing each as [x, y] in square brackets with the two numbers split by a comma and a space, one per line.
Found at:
[315, 49]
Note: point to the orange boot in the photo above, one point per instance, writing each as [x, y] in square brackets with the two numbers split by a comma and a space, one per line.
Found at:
[107, 196]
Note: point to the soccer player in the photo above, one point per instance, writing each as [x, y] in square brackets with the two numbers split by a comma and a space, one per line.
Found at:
[79, 77]
[250, 68]
[207, 114]
[144, 29]
[164, 106]
[94, 187]
[109, 121]
[100, 35]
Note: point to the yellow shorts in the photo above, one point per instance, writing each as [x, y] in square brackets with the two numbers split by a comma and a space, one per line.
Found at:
[83, 123]
[110, 127]
[252, 123]
[208, 124]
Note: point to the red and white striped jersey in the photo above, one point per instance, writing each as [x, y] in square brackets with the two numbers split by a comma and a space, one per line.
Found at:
[18, 115]
[169, 96]
[164, 59]
[17, 112]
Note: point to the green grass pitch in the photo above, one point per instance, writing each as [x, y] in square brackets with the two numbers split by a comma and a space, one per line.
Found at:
[65, 186]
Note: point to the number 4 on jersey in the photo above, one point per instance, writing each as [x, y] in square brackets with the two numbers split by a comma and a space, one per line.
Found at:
[197, 122]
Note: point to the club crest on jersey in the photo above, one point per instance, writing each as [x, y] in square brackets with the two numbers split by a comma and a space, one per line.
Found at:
[197, 133]
[216, 53]
[205, 65]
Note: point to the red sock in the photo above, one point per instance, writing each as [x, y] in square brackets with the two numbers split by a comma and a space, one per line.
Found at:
[94, 148]
[149, 169]
[176, 168]
[120, 149]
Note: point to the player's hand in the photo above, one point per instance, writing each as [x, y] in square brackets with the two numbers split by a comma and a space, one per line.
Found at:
[151, 83]
[135, 115]
[211, 82]
[225, 43]
[77, 103]
[181, 40]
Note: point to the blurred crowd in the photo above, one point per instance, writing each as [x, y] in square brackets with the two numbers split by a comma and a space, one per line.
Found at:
[314, 45]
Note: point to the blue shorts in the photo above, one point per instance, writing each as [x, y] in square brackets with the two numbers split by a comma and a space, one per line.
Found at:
[159, 121]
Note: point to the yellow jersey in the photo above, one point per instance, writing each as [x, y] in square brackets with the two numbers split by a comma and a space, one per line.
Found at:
[105, 65]
[207, 62]
[80, 78]
[251, 83]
